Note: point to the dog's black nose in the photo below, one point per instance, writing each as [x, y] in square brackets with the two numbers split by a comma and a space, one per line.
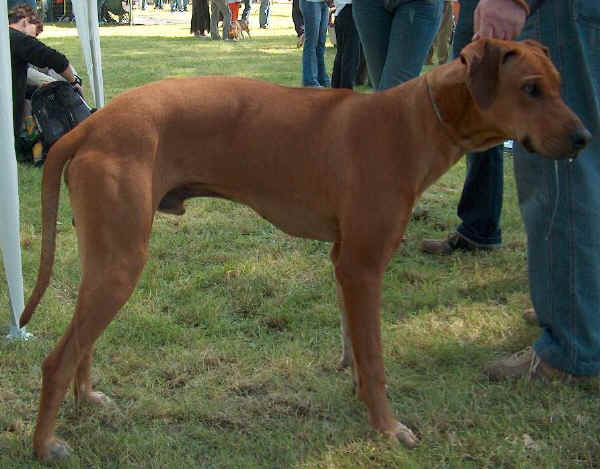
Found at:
[580, 138]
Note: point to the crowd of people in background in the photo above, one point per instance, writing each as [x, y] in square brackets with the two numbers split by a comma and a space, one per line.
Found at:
[398, 37]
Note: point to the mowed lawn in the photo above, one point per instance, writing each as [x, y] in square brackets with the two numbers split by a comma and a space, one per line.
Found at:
[226, 354]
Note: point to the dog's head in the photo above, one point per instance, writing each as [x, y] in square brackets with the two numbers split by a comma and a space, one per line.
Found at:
[516, 85]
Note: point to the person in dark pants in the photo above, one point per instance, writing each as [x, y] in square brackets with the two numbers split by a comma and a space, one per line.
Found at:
[298, 20]
[247, 9]
[480, 204]
[347, 57]
[200, 24]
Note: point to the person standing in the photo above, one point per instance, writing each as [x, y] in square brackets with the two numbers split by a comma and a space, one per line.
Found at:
[480, 204]
[441, 43]
[264, 14]
[200, 23]
[219, 8]
[559, 199]
[347, 56]
[316, 21]
[396, 36]
[298, 22]
[247, 10]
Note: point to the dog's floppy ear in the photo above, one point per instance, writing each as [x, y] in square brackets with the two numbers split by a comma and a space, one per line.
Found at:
[483, 59]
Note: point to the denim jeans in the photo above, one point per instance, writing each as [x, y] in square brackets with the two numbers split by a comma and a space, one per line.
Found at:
[396, 44]
[480, 204]
[316, 20]
[560, 201]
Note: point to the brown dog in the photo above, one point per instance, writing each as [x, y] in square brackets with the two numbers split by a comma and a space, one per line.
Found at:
[347, 183]
[236, 31]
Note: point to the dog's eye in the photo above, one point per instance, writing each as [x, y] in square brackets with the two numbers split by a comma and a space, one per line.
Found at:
[532, 90]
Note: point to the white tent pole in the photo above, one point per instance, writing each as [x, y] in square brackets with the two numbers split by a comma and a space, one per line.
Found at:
[9, 194]
[86, 18]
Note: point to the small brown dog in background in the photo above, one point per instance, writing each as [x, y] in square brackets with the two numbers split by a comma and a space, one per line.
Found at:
[236, 31]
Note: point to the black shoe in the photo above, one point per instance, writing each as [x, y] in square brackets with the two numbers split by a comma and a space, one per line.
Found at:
[453, 243]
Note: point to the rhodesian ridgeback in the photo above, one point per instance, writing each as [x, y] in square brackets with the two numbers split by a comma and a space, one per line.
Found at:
[332, 165]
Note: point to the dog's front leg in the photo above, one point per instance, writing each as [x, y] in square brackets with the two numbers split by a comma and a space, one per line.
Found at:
[360, 284]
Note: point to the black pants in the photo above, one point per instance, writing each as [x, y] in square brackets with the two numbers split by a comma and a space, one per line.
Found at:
[297, 18]
[347, 57]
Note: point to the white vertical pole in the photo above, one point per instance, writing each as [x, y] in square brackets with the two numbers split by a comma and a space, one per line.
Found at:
[10, 242]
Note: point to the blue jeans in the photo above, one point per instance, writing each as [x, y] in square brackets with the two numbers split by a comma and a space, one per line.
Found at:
[560, 201]
[480, 204]
[396, 44]
[316, 20]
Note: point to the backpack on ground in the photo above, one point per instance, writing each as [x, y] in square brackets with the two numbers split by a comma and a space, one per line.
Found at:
[57, 108]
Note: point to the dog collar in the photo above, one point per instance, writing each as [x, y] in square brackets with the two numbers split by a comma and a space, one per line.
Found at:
[449, 133]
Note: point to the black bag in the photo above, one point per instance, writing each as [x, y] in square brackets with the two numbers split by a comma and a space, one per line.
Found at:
[57, 108]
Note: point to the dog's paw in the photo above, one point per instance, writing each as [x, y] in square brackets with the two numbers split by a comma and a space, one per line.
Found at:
[54, 450]
[405, 436]
[345, 362]
[97, 398]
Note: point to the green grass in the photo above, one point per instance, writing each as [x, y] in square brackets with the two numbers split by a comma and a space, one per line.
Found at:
[225, 355]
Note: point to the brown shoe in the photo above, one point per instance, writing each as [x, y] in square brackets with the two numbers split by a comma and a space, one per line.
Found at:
[453, 243]
[525, 363]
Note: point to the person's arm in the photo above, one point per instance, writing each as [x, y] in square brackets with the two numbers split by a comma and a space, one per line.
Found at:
[37, 53]
[73, 79]
[499, 19]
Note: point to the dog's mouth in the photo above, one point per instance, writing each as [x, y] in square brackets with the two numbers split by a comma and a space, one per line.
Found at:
[528, 145]
[526, 142]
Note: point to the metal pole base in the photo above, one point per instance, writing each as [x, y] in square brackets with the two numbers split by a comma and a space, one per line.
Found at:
[18, 334]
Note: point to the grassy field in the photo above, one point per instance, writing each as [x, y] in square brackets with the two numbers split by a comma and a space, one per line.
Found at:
[225, 356]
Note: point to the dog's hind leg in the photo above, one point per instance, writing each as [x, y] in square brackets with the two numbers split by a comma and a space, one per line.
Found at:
[102, 293]
[113, 240]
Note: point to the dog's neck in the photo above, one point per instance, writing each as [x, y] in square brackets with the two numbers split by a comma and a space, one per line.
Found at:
[456, 111]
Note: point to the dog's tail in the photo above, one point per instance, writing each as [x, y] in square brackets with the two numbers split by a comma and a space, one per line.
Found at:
[58, 156]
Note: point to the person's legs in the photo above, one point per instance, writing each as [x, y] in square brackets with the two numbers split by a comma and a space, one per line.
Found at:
[413, 29]
[247, 10]
[226, 12]
[264, 13]
[347, 56]
[322, 75]
[560, 201]
[311, 14]
[442, 40]
[373, 23]
[216, 7]
[480, 204]
[297, 18]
